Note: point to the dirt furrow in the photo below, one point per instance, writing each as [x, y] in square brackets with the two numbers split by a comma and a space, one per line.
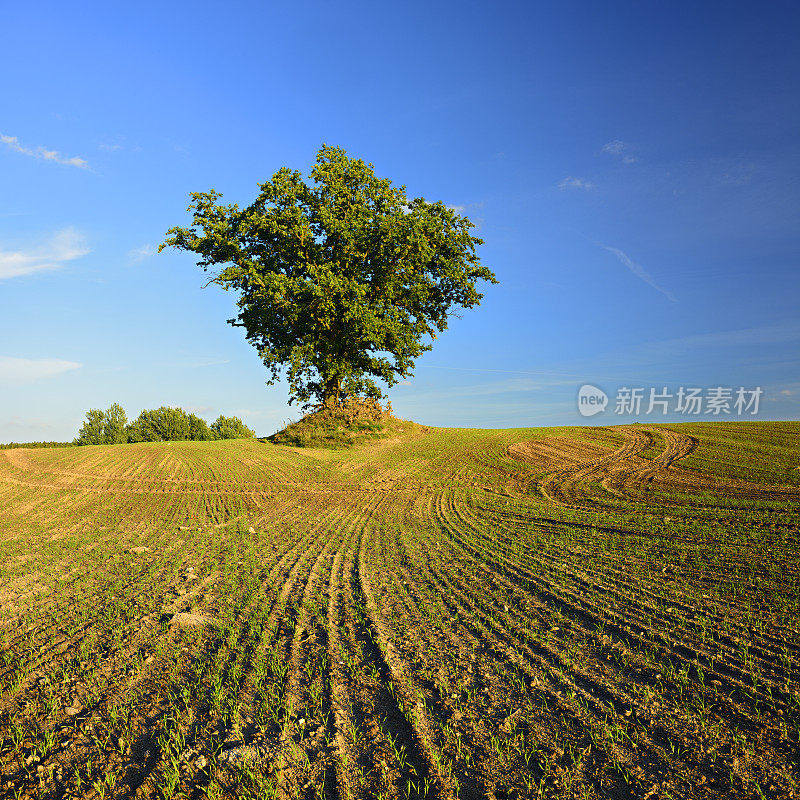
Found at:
[411, 700]
[309, 636]
[647, 619]
[446, 657]
[564, 486]
[632, 634]
[595, 701]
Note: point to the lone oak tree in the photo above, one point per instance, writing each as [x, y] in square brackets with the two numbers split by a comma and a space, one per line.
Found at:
[340, 281]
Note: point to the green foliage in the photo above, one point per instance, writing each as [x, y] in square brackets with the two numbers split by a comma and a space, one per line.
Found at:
[34, 445]
[199, 430]
[231, 428]
[103, 427]
[91, 431]
[163, 424]
[340, 281]
[114, 427]
[354, 421]
[135, 431]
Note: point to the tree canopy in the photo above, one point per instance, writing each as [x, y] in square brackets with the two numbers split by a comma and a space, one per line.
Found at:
[340, 280]
[104, 427]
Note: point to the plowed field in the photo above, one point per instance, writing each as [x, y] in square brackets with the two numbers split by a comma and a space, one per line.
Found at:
[572, 612]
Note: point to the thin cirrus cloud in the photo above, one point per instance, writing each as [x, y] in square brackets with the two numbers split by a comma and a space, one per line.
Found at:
[199, 410]
[640, 272]
[141, 253]
[64, 245]
[461, 211]
[575, 183]
[619, 149]
[43, 153]
[22, 371]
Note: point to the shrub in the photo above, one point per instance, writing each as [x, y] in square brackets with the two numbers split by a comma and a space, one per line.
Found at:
[231, 428]
[163, 424]
[199, 430]
[356, 419]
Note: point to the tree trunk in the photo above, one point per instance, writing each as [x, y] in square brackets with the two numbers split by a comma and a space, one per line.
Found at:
[330, 397]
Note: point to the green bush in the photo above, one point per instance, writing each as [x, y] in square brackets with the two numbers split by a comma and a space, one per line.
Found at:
[163, 424]
[355, 420]
[231, 428]
[199, 430]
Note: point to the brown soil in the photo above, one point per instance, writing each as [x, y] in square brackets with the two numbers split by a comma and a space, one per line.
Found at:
[578, 471]
[423, 618]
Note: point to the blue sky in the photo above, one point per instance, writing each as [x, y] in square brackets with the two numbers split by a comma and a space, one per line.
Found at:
[632, 167]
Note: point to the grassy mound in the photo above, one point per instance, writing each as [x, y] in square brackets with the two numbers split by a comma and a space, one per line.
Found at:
[356, 420]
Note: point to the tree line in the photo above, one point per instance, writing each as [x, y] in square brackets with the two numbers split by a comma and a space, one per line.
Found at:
[163, 424]
[30, 445]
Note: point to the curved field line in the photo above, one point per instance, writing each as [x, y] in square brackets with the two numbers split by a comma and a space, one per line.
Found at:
[361, 689]
[358, 683]
[589, 698]
[627, 476]
[618, 583]
[617, 625]
[561, 487]
[293, 693]
[425, 635]
[288, 574]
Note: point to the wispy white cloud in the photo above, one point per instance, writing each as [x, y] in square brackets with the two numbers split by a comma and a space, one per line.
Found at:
[614, 148]
[575, 183]
[65, 245]
[507, 386]
[469, 210]
[620, 149]
[209, 362]
[109, 147]
[22, 423]
[772, 334]
[43, 153]
[639, 271]
[21, 371]
[199, 410]
[141, 253]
